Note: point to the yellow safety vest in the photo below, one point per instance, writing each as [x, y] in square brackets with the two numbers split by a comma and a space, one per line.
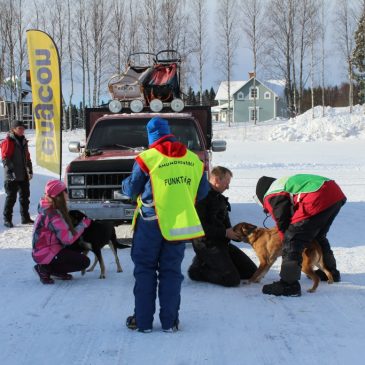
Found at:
[175, 182]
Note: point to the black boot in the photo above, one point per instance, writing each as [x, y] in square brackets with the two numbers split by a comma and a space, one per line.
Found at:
[283, 288]
[8, 223]
[131, 323]
[43, 273]
[27, 220]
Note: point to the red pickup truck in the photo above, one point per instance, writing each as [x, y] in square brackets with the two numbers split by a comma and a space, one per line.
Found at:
[113, 141]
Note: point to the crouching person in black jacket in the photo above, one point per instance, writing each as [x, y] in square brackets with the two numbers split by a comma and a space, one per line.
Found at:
[217, 260]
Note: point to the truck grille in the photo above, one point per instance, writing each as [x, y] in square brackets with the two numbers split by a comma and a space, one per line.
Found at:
[99, 186]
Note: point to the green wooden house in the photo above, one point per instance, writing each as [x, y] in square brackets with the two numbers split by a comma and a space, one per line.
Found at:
[270, 100]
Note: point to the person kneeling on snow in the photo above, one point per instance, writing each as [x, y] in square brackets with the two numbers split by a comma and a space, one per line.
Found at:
[53, 234]
[303, 207]
[217, 260]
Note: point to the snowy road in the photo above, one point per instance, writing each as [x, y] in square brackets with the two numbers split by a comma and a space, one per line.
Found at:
[82, 321]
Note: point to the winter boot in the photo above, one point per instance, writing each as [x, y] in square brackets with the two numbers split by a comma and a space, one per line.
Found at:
[173, 329]
[27, 220]
[62, 276]
[131, 323]
[43, 274]
[281, 287]
[8, 223]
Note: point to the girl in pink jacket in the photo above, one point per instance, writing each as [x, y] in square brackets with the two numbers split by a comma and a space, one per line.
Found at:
[53, 234]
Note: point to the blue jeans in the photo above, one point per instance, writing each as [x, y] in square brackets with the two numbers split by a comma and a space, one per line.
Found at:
[157, 263]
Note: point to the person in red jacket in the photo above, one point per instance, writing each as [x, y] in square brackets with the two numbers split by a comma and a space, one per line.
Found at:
[303, 207]
[18, 172]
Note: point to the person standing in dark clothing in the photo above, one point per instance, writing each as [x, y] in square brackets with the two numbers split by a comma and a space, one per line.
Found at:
[18, 172]
[217, 260]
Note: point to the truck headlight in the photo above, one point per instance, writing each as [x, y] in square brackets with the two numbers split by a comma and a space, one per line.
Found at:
[77, 180]
[77, 193]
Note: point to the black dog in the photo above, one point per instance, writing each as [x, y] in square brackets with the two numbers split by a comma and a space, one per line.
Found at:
[95, 237]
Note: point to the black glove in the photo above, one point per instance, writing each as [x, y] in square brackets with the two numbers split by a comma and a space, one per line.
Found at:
[10, 176]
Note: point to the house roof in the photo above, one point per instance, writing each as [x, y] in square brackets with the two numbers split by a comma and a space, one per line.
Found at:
[8, 94]
[218, 108]
[222, 93]
[276, 86]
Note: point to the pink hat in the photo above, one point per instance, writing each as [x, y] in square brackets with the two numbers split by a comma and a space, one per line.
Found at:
[54, 187]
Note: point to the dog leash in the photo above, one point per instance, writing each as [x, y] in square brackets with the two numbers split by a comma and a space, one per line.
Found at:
[263, 223]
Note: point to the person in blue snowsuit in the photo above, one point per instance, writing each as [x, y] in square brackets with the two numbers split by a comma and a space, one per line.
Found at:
[157, 261]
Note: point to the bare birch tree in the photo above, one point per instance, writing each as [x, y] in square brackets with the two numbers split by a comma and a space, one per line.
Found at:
[279, 46]
[98, 15]
[10, 37]
[117, 27]
[175, 33]
[81, 48]
[228, 39]
[253, 25]
[306, 11]
[323, 27]
[170, 23]
[70, 55]
[133, 31]
[149, 25]
[346, 23]
[199, 25]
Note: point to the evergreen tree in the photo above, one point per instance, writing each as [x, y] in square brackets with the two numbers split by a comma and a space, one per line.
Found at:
[212, 97]
[206, 99]
[190, 97]
[358, 57]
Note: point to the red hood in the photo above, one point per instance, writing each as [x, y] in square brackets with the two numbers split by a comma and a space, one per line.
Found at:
[110, 155]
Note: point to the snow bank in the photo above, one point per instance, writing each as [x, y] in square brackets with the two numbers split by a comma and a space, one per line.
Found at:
[337, 124]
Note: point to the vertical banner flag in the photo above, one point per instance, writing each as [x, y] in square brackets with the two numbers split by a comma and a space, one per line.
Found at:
[46, 93]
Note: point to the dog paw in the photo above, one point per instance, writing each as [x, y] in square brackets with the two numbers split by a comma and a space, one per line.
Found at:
[83, 272]
[102, 276]
[120, 270]
[311, 290]
[330, 281]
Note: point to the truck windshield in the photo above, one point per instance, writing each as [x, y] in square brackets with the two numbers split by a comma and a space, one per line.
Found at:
[132, 133]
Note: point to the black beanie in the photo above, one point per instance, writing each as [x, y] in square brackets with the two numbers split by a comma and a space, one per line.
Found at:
[17, 123]
[262, 187]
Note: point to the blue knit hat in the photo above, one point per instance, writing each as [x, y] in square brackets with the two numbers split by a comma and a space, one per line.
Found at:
[157, 128]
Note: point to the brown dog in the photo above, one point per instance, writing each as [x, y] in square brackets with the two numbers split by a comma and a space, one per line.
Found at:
[268, 247]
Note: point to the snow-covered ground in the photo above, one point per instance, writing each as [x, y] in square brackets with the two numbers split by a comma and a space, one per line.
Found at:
[82, 321]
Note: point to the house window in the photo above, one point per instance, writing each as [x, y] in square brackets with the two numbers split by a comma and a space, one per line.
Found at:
[26, 109]
[254, 114]
[2, 108]
[240, 96]
[267, 95]
[254, 92]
